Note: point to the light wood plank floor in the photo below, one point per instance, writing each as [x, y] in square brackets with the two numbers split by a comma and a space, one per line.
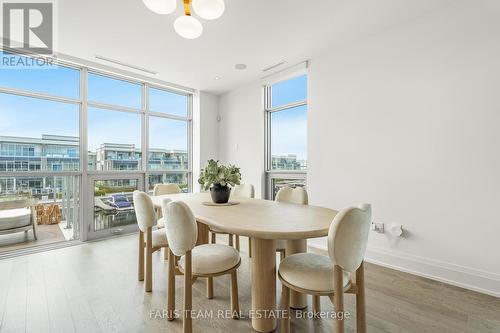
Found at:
[93, 288]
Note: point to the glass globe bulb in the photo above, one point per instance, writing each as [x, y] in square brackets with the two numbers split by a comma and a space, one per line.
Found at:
[188, 27]
[209, 9]
[161, 6]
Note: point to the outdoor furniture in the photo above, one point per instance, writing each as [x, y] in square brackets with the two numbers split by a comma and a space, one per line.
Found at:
[54, 214]
[16, 216]
[48, 215]
[40, 214]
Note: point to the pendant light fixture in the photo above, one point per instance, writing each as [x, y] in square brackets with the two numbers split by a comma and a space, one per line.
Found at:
[187, 26]
[209, 9]
[161, 6]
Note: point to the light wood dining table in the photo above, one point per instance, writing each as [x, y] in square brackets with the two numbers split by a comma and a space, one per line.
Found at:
[264, 222]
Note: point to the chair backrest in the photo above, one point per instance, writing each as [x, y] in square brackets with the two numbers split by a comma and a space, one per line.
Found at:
[180, 226]
[161, 189]
[244, 191]
[348, 237]
[14, 204]
[144, 210]
[296, 195]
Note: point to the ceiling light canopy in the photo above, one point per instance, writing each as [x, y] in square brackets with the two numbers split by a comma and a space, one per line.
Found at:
[188, 26]
[209, 9]
[161, 6]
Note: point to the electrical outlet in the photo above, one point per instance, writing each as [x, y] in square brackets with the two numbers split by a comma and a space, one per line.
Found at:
[378, 227]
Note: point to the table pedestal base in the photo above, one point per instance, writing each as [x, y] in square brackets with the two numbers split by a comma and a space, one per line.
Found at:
[263, 285]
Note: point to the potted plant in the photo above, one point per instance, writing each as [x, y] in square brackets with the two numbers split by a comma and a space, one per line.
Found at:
[217, 178]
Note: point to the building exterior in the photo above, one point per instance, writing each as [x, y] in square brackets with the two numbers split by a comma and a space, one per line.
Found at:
[287, 162]
[61, 153]
[117, 156]
[49, 153]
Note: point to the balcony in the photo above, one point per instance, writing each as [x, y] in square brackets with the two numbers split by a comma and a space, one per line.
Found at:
[55, 201]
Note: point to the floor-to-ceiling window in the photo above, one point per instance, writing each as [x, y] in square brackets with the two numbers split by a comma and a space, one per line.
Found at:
[78, 141]
[286, 134]
[169, 138]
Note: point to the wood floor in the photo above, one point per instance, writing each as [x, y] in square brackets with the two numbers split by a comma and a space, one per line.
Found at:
[93, 288]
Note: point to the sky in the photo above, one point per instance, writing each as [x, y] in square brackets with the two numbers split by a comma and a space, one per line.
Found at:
[289, 127]
[30, 117]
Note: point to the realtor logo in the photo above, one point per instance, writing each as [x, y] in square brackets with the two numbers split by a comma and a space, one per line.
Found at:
[28, 26]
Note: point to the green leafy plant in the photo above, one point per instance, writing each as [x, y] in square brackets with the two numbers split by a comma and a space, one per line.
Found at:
[219, 174]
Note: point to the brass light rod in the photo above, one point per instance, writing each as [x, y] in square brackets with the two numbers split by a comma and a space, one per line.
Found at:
[187, 8]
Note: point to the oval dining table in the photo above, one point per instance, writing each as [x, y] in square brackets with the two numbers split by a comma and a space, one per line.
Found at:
[264, 221]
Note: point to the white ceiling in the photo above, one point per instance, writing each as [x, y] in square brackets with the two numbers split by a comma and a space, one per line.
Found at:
[258, 33]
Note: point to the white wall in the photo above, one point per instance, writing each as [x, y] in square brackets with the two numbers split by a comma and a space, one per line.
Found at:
[205, 132]
[241, 133]
[209, 127]
[408, 120]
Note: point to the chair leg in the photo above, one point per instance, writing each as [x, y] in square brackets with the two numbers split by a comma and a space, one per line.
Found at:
[187, 324]
[338, 298]
[237, 238]
[171, 287]
[230, 242]
[140, 264]
[285, 309]
[316, 303]
[249, 247]
[34, 232]
[235, 304]
[360, 300]
[214, 238]
[149, 260]
[210, 287]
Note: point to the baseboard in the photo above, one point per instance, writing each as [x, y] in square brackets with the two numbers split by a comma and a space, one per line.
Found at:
[464, 277]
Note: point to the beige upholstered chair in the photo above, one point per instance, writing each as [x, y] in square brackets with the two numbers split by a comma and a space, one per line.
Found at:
[207, 260]
[297, 196]
[330, 275]
[162, 189]
[241, 191]
[18, 215]
[155, 240]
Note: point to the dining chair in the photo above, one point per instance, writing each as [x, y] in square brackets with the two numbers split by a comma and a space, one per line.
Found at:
[330, 275]
[287, 194]
[206, 261]
[155, 240]
[162, 189]
[241, 191]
